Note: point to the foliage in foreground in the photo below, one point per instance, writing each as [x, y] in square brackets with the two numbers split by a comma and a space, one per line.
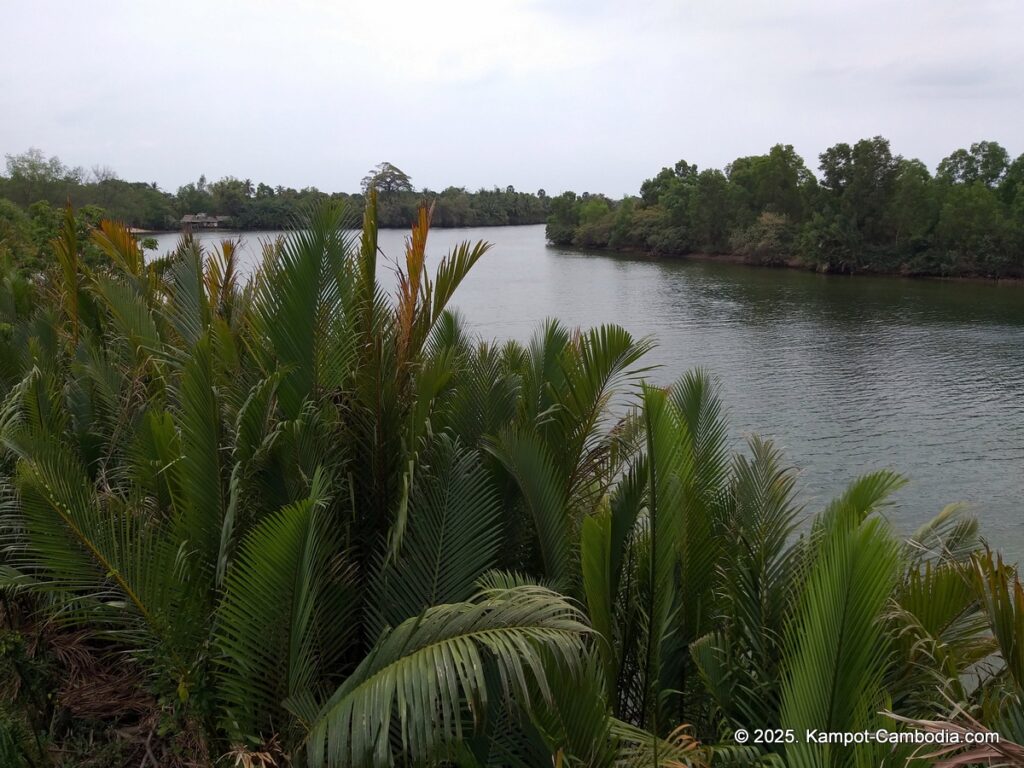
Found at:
[293, 520]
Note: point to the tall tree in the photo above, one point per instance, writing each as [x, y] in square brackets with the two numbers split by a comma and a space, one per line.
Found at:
[387, 179]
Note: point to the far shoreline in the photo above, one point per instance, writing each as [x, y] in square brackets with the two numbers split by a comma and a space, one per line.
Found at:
[140, 233]
[789, 264]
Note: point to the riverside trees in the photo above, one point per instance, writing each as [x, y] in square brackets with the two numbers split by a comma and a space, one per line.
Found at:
[869, 210]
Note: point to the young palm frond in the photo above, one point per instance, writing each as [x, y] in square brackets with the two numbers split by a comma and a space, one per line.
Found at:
[118, 243]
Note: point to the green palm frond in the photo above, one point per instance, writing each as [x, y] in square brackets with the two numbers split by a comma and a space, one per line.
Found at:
[424, 674]
[507, 737]
[99, 400]
[449, 332]
[602, 360]
[638, 748]
[450, 273]
[255, 435]
[527, 459]
[701, 435]
[59, 515]
[836, 644]
[597, 367]
[188, 308]
[665, 501]
[200, 520]
[575, 722]
[950, 535]
[132, 316]
[299, 305]
[452, 539]
[941, 633]
[221, 277]
[277, 622]
[600, 591]
[484, 397]
[605, 541]
[12, 409]
[739, 662]
[867, 494]
[113, 568]
[1002, 598]
[70, 272]
[696, 397]
[118, 243]
[542, 372]
[760, 516]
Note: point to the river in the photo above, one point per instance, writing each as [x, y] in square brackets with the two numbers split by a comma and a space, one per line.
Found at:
[847, 374]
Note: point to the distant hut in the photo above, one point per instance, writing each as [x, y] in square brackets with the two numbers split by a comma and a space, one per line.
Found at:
[191, 221]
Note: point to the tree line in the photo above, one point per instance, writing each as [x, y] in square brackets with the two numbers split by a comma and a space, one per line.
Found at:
[867, 210]
[295, 520]
[34, 183]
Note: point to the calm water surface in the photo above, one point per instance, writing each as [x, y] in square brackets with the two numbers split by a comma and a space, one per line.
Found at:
[846, 374]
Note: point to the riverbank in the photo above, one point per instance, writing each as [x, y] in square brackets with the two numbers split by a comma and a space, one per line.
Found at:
[252, 230]
[866, 210]
[788, 264]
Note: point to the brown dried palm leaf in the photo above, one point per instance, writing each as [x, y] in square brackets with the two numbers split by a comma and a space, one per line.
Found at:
[1000, 754]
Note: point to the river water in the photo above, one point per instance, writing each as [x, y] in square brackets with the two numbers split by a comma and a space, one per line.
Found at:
[846, 374]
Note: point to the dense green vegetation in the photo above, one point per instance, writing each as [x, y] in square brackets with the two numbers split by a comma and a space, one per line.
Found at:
[37, 184]
[298, 521]
[868, 210]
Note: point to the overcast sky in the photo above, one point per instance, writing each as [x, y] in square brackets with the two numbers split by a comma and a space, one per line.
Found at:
[559, 94]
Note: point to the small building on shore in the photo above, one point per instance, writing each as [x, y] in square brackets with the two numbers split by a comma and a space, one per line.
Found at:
[192, 221]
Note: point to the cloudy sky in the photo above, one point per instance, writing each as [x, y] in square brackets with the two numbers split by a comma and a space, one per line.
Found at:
[559, 94]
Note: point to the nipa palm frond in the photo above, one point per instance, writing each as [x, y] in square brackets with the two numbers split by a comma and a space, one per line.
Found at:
[426, 672]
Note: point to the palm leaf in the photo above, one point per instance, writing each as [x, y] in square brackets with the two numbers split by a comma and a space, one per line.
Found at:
[941, 634]
[1002, 598]
[430, 669]
[452, 539]
[527, 459]
[274, 618]
[188, 308]
[950, 535]
[755, 583]
[836, 646]
[299, 303]
[113, 569]
[201, 519]
[665, 470]
[117, 242]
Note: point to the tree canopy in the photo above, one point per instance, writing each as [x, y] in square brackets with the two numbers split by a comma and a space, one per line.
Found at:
[387, 179]
[868, 210]
[34, 178]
